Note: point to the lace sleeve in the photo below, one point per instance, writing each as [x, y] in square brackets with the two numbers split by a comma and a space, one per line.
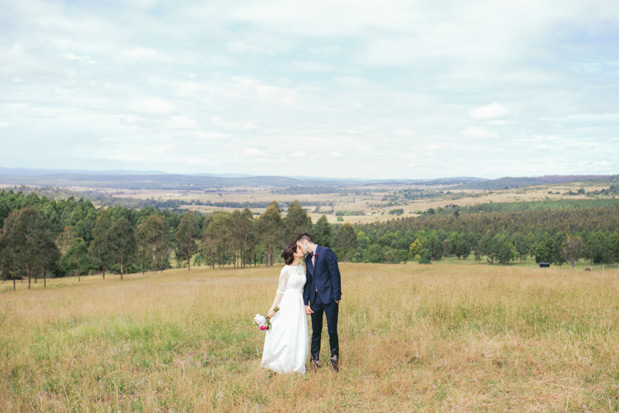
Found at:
[281, 287]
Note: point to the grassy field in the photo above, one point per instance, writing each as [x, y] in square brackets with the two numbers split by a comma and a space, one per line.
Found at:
[436, 337]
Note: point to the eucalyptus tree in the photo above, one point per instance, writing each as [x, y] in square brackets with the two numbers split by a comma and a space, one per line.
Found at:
[271, 230]
[297, 221]
[322, 232]
[100, 247]
[123, 246]
[186, 235]
[152, 236]
[220, 236]
[27, 243]
[77, 261]
[345, 241]
[571, 249]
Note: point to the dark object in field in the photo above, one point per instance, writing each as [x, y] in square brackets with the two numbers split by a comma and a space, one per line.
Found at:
[544, 265]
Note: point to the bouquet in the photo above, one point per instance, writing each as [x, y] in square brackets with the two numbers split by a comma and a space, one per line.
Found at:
[264, 322]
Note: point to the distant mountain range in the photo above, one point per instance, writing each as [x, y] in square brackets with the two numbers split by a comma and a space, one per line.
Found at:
[159, 180]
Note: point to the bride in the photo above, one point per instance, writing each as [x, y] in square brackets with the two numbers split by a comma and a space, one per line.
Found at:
[285, 344]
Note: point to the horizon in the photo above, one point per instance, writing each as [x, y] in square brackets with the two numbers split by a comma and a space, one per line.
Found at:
[43, 171]
[344, 89]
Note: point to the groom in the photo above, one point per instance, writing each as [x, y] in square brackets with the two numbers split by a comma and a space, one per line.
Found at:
[322, 294]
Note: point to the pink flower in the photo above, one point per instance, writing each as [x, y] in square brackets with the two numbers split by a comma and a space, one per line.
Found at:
[263, 327]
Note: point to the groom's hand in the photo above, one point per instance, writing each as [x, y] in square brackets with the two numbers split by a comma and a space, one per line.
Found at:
[337, 301]
[308, 310]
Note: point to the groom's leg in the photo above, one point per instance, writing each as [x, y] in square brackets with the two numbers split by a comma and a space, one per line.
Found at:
[331, 311]
[318, 309]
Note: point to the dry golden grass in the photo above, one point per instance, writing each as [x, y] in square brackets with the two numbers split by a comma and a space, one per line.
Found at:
[437, 337]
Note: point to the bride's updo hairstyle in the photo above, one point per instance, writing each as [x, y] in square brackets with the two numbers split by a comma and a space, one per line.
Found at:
[288, 254]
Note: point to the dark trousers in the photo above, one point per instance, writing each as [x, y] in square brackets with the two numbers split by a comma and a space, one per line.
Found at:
[318, 307]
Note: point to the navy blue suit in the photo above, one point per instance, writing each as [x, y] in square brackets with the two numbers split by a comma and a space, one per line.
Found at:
[322, 289]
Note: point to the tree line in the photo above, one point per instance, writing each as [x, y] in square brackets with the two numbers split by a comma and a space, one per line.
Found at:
[43, 237]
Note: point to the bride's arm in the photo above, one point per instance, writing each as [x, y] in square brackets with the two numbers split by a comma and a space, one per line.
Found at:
[281, 287]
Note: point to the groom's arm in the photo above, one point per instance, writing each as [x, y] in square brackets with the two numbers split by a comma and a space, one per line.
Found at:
[334, 272]
[306, 288]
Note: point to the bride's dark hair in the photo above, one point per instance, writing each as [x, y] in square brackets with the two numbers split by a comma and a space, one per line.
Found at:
[288, 253]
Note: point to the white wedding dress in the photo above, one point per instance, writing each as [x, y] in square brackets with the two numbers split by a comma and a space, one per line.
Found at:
[286, 343]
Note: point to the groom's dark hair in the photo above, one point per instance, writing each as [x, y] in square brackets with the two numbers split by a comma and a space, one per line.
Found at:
[306, 237]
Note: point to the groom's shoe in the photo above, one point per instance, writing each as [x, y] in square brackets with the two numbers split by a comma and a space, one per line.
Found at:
[334, 364]
[315, 364]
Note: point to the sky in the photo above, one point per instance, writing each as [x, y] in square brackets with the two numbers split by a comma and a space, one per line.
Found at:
[368, 89]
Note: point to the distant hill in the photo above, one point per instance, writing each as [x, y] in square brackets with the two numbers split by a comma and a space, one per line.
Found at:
[510, 182]
[160, 180]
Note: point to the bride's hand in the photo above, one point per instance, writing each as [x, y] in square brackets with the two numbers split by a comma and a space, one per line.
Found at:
[271, 313]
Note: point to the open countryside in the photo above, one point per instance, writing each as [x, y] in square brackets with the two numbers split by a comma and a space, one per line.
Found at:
[413, 337]
[447, 309]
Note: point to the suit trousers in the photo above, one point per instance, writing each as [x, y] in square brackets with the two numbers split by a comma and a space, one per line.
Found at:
[331, 310]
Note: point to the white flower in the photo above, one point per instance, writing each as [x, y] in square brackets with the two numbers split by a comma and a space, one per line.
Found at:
[260, 320]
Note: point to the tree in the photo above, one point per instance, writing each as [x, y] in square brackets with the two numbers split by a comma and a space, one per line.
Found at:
[435, 246]
[598, 247]
[8, 269]
[76, 260]
[501, 249]
[49, 257]
[572, 248]
[27, 243]
[247, 233]
[64, 239]
[100, 246]
[271, 230]
[375, 254]
[425, 257]
[345, 240]
[220, 234]
[208, 248]
[297, 222]
[415, 247]
[322, 232]
[521, 245]
[153, 237]
[122, 243]
[186, 235]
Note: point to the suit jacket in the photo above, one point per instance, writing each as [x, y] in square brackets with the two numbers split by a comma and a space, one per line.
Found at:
[324, 277]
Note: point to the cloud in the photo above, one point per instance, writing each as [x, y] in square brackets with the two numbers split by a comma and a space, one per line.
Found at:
[370, 80]
[479, 133]
[145, 53]
[298, 154]
[253, 152]
[210, 135]
[404, 133]
[151, 105]
[491, 111]
[184, 122]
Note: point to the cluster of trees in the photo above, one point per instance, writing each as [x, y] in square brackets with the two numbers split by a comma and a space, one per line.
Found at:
[42, 237]
[554, 236]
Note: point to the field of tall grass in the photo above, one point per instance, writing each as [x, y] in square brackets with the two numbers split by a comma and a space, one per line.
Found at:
[412, 337]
